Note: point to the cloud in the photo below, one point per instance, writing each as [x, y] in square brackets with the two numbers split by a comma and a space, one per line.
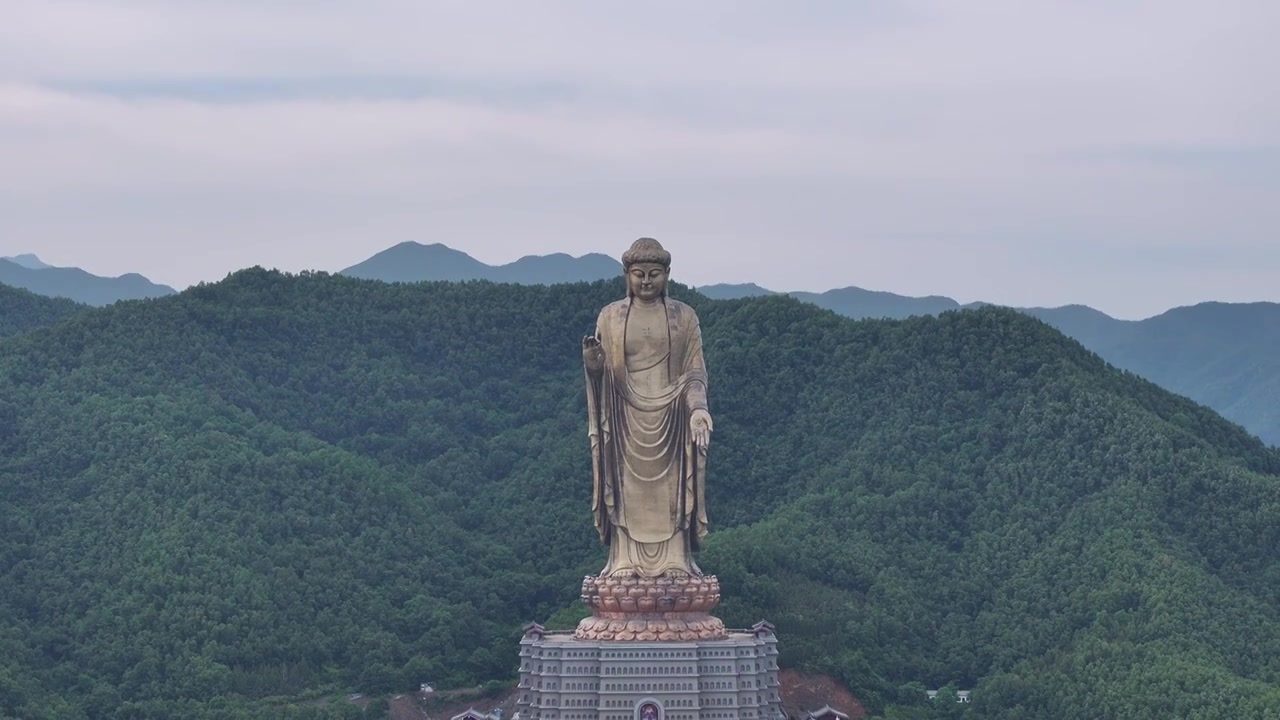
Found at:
[998, 150]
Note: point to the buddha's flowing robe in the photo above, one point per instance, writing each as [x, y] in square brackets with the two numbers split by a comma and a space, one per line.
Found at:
[648, 489]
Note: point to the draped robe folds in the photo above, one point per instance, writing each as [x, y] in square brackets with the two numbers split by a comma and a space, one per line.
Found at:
[649, 479]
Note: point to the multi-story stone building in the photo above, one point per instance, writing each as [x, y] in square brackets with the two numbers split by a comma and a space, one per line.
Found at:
[566, 678]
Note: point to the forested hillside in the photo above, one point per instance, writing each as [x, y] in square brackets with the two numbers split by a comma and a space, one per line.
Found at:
[286, 486]
[1225, 355]
[22, 310]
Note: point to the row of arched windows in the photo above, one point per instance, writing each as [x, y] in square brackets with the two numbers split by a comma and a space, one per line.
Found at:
[581, 686]
[716, 685]
[651, 654]
[648, 687]
[629, 703]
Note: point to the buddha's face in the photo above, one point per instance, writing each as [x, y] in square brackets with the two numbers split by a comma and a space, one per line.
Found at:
[647, 281]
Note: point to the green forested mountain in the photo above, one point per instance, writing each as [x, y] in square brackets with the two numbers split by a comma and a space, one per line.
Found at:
[22, 310]
[277, 485]
[1224, 355]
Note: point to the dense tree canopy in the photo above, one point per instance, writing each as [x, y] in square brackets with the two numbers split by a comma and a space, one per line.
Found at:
[22, 310]
[280, 486]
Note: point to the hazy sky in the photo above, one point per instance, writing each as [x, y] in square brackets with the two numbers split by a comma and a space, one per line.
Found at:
[1121, 154]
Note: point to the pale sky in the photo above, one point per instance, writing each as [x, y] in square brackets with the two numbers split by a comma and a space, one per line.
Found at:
[1124, 155]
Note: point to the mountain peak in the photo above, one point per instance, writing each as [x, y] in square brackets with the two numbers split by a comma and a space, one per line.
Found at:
[411, 261]
[727, 291]
[414, 262]
[77, 284]
[28, 260]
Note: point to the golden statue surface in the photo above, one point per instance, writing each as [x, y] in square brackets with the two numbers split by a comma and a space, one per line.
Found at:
[649, 428]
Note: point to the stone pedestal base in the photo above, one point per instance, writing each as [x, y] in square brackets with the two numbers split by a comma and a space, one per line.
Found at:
[664, 627]
[567, 678]
[667, 608]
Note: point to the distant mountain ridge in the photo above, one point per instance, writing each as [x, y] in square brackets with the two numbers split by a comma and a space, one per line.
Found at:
[30, 273]
[415, 262]
[28, 260]
[854, 302]
[1224, 355]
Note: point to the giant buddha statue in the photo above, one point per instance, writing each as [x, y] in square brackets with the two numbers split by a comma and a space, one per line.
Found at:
[649, 428]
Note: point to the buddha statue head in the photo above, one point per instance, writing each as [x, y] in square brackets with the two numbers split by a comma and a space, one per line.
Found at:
[647, 266]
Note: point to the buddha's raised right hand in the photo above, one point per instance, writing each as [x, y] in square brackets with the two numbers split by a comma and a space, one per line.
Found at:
[592, 354]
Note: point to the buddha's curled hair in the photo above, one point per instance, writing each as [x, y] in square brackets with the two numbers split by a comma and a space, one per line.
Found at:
[646, 250]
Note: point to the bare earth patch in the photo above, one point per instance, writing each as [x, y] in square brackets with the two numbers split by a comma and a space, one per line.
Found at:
[805, 692]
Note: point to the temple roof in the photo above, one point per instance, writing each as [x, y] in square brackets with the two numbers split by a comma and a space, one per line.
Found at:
[826, 713]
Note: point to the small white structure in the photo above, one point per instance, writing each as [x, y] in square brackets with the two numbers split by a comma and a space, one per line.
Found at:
[426, 689]
[962, 696]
